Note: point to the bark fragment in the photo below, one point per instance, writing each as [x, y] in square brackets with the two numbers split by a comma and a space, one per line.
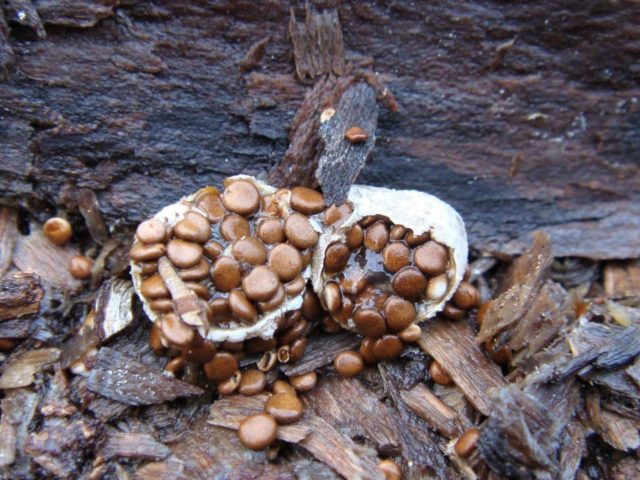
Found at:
[128, 381]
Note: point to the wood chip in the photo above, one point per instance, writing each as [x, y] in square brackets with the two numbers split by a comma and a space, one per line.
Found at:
[8, 235]
[618, 431]
[519, 289]
[453, 345]
[18, 407]
[300, 161]
[521, 435]
[311, 432]
[90, 209]
[20, 370]
[20, 295]
[350, 407]
[16, 328]
[433, 411]
[133, 445]
[113, 308]
[207, 451]
[34, 253]
[126, 380]
[317, 43]
[622, 279]
[341, 161]
[320, 351]
[422, 448]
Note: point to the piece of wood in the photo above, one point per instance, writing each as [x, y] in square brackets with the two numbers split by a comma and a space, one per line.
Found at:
[133, 445]
[34, 253]
[20, 369]
[113, 308]
[121, 378]
[453, 345]
[342, 160]
[433, 411]
[206, 451]
[320, 351]
[350, 407]
[317, 43]
[519, 289]
[622, 279]
[8, 235]
[422, 448]
[519, 135]
[20, 295]
[311, 432]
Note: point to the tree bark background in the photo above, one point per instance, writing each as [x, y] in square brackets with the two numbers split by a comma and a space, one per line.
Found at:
[522, 115]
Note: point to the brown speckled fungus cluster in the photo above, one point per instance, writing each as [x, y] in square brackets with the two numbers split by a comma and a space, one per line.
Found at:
[377, 276]
[225, 275]
[237, 275]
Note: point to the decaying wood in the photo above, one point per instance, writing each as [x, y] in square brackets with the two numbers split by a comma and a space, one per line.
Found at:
[34, 253]
[8, 232]
[18, 408]
[520, 288]
[320, 351]
[622, 279]
[311, 432]
[59, 445]
[536, 420]
[89, 207]
[351, 408]
[299, 163]
[20, 295]
[342, 161]
[433, 411]
[124, 379]
[317, 43]
[113, 308]
[207, 451]
[20, 369]
[421, 448]
[133, 445]
[16, 328]
[453, 345]
[541, 132]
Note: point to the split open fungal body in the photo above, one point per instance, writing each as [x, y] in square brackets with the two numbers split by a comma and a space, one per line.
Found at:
[391, 259]
[222, 273]
[226, 274]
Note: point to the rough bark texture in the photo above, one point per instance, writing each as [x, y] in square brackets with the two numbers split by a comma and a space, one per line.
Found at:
[524, 116]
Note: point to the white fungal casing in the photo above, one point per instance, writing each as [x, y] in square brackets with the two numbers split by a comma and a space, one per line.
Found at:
[266, 325]
[418, 211]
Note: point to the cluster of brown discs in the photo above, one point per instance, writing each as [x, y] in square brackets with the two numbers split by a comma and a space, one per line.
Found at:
[376, 279]
[58, 231]
[282, 407]
[228, 261]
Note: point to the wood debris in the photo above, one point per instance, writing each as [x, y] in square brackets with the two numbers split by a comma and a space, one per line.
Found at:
[317, 43]
[113, 308]
[20, 295]
[320, 351]
[20, 369]
[34, 253]
[121, 378]
[350, 407]
[312, 432]
[132, 445]
[8, 235]
[341, 160]
[453, 346]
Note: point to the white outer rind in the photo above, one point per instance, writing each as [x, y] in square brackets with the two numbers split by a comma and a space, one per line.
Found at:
[416, 210]
[267, 325]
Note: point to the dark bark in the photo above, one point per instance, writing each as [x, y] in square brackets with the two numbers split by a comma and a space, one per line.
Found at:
[524, 116]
